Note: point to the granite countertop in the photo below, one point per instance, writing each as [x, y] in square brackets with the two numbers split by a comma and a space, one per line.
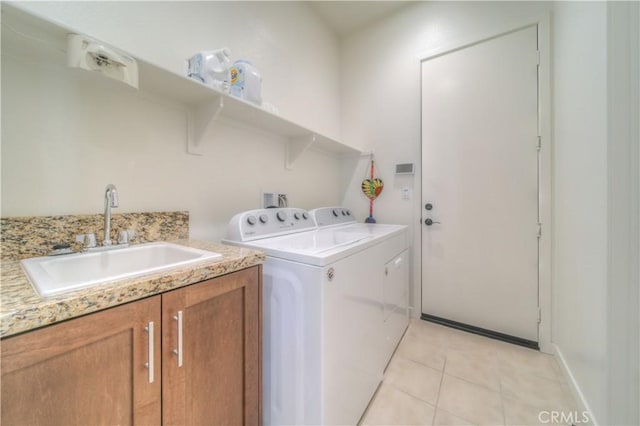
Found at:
[23, 309]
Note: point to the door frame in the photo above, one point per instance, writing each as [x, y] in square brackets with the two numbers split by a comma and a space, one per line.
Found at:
[543, 24]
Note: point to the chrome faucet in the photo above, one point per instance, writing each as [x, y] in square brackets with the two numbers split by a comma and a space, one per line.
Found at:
[110, 200]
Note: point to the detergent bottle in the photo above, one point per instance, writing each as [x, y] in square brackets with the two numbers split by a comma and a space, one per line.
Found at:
[246, 81]
[211, 68]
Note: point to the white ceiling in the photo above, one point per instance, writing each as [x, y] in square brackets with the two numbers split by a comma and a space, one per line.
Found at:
[345, 17]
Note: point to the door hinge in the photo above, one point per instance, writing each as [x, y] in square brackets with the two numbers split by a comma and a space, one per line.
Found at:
[539, 143]
[539, 230]
[537, 57]
[539, 315]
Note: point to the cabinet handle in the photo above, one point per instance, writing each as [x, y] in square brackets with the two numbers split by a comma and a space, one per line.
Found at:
[178, 351]
[149, 364]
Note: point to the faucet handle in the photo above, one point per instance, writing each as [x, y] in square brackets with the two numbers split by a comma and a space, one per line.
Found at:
[123, 237]
[89, 240]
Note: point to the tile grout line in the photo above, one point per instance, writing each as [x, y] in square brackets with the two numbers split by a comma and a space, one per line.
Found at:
[438, 398]
[433, 419]
[462, 379]
[504, 411]
[500, 355]
[460, 417]
[416, 398]
[420, 363]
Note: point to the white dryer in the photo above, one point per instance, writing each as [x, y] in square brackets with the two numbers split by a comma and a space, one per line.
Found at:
[324, 313]
[395, 286]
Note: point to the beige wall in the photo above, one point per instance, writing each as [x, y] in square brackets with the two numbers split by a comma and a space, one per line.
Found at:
[64, 138]
[580, 195]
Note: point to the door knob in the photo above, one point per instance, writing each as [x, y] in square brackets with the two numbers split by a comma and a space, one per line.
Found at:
[428, 206]
[429, 222]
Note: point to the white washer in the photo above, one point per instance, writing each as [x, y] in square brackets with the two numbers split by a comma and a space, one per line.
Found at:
[326, 341]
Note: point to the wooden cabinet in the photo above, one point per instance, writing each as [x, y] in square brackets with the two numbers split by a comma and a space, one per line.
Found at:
[94, 369]
[89, 370]
[219, 379]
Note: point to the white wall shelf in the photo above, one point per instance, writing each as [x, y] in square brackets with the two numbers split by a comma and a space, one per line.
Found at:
[203, 103]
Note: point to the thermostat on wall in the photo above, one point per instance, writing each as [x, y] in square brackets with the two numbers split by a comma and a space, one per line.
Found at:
[404, 169]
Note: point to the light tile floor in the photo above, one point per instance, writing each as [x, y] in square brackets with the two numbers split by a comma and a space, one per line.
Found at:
[443, 376]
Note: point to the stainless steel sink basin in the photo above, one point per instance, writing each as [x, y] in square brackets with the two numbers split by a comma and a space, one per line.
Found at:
[53, 275]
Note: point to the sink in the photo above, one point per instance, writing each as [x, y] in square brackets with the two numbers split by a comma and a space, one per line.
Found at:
[53, 275]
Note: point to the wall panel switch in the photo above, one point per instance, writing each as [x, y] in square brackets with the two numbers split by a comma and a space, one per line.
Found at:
[406, 193]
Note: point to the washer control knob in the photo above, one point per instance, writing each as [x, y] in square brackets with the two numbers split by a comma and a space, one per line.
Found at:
[348, 212]
[296, 215]
[264, 218]
[335, 212]
[251, 220]
[282, 216]
[344, 212]
[305, 215]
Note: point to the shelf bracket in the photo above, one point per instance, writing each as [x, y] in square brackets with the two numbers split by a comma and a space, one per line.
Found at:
[200, 119]
[296, 147]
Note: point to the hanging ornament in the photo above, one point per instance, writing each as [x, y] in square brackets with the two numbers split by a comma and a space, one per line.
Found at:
[372, 187]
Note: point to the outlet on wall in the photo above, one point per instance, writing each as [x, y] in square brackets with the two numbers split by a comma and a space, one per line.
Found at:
[269, 199]
[274, 199]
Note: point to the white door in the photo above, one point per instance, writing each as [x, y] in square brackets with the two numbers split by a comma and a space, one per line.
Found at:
[480, 176]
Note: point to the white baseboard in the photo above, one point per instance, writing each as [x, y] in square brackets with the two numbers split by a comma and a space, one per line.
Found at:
[573, 384]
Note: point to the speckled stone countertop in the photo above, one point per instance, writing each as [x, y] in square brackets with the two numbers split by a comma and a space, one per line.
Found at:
[23, 309]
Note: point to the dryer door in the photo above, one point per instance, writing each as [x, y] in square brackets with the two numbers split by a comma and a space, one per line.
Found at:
[396, 300]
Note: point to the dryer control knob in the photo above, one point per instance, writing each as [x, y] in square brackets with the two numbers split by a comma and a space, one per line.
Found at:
[264, 218]
[251, 220]
[335, 212]
[282, 216]
[348, 212]
[305, 215]
[344, 212]
[296, 215]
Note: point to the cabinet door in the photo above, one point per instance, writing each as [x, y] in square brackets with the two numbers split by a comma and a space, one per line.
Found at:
[211, 351]
[89, 370]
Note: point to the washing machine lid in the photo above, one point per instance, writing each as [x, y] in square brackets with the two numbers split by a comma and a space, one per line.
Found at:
[323, 246]
[292, 234]
[319, 248]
